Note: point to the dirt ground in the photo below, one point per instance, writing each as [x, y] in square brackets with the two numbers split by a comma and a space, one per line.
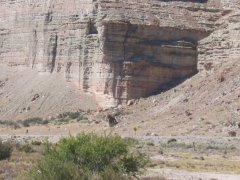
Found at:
[25, 93]
[207, 104]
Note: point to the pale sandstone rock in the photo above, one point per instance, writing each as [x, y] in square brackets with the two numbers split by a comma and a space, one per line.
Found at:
[223, 44]
[117, 49]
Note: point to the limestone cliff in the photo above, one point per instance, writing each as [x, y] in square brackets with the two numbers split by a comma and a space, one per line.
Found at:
[223, 44]
[117, 49]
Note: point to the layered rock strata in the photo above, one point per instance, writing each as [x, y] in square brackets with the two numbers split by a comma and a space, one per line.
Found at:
[223, 44]
[117, 49]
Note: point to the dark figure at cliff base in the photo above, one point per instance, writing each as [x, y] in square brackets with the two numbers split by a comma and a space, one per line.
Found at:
[112, 121]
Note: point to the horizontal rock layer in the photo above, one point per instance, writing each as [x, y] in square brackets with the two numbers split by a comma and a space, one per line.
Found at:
[117, 49]
[223, 44]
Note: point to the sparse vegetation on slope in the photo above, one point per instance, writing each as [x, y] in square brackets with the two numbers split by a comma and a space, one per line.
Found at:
[63, 118]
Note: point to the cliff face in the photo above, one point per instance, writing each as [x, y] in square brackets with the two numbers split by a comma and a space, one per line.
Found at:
[117, 49]
[223, 44]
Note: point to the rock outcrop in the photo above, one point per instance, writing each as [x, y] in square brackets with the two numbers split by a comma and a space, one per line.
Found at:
[223, 44]
[117, 49]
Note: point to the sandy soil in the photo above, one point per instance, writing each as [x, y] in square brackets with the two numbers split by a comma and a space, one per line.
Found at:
[25, 93]
[186, 175]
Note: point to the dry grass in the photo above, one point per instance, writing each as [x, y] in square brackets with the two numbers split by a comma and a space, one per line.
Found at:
[185, 156]
[197, 163]
[18, 163]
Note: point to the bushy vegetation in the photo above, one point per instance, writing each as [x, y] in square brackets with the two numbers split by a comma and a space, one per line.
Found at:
[172, 140]
[89, 156]
[9, 124]
[24, 123]
[27, 148]
[36, 143]
[5, 150]
[33, 121]
[68, 116]
[63, 118]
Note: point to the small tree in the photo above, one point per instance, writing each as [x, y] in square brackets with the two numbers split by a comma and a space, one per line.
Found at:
[89, 156]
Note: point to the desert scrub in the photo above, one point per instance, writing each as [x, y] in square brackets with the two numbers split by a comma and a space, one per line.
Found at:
[63, 118]
[89, 156]
[27, 148]
[8, 123]
[33, 121]
[68, 117]
[5, 150]
[36, 143]
[172, 140]
[150, 144]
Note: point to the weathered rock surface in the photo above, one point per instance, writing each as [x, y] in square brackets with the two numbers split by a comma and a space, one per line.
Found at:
[117, 49]
[223, 44]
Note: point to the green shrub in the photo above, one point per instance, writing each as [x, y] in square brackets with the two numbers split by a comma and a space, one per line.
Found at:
[5, 150]
[74, 115]
[110, 174]
[36, 143]
[173, 140]
[89, 156]
[33, 121]
[8, 123]
[25, 124]
[132, 162]
[150, 144]
[25, 148]
[131, 140]
[69, 116]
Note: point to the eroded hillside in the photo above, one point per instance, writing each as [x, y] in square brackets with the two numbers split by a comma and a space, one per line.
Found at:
[117, 50]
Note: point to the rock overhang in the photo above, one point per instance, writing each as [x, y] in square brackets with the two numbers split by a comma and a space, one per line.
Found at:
[145, 57]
